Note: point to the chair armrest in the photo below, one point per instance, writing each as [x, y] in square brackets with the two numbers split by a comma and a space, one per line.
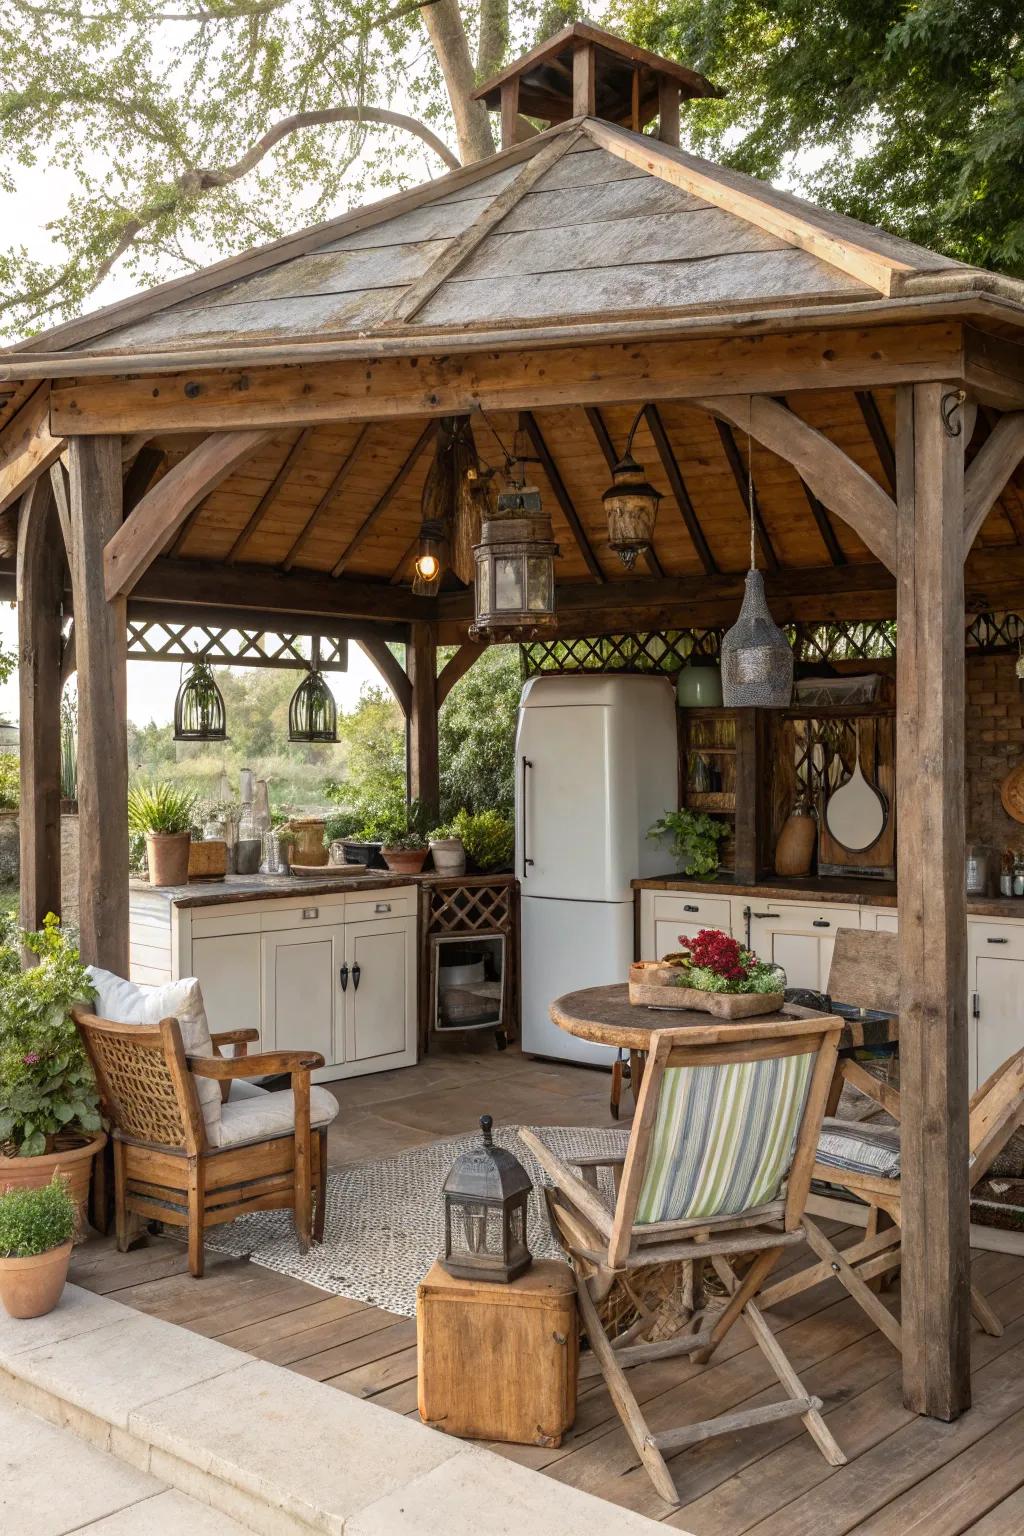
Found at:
[240, 1038]
[263, 1064]
[599, 1160]
[579, 1194]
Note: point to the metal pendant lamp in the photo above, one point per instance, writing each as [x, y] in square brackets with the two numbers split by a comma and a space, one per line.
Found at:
[312, 713]
[199, 713]
[757, 659]
[515, 565]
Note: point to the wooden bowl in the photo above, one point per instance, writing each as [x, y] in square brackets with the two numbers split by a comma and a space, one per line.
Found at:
[1011, 792]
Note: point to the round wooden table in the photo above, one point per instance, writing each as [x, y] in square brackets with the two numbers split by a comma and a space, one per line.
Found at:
[606, 1016]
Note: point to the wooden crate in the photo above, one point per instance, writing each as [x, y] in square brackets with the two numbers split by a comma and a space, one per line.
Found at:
[499, 1362]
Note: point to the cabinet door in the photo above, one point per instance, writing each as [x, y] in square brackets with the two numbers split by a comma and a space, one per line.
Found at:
[228, 968]
[302, 991]
[666, 917]
[881, 919]
[380, 999]
[800, 939]
[998, 1023]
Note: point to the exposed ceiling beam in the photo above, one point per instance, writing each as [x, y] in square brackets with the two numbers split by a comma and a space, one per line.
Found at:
[390, 669]
[748, 491]
[269, 496]
[670, 465]
[1013, 492]
[26, 447]
[548, 465]
[327, 500]
[828, 534]
[599, 428]
[457, 666]
[990, 469]
[385, 500]
[879, 436]
[140, 476]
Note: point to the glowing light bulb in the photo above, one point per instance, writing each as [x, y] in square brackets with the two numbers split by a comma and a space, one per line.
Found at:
[427, 566]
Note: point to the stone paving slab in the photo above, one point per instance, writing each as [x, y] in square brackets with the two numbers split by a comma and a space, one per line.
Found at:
[79, 1312]
[166, 1514]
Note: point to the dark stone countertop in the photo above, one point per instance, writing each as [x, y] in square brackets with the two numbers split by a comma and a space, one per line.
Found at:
[234, 888]
[858, 893]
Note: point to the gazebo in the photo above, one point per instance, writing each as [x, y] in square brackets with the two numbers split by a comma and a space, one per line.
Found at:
[248, 444]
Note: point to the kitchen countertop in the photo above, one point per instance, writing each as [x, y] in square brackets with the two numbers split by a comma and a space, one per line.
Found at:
[233, 888]
[856, 893]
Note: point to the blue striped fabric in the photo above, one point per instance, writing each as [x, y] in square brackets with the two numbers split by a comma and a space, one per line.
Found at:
[723, 1138]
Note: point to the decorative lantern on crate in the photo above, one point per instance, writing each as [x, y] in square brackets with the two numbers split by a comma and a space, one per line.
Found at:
[485, 1200]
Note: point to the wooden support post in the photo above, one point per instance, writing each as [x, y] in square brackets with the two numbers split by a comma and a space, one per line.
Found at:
[509, 111]
[668, 111]
[752, 789]
[584, 81]
[40, 597]
[101, 649]
[933, 914]
[421, 665]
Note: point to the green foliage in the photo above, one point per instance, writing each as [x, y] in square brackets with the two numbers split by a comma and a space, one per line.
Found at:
[695, 838]
[162, 808]
[69, 747]
[339, 825]
[33, 1221]
[477, 734]
[907, 116]
[373, 786]
[10, 781]
[46, 1083]
[488, 837]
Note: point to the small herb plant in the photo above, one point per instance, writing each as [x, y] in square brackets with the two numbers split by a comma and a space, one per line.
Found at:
[164, 809]
[695, 839]
[34, 1221]
[46, 1084]
[488, 837]
[713, 962]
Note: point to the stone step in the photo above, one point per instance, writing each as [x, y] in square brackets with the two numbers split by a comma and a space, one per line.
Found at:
[280, 1454]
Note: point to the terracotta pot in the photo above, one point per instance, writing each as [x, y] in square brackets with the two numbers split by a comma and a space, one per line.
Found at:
[167, 855]
[308, 847]
[73, 1159]
[32, 1287]
[449, 855]
[405, 861]
[794, 851]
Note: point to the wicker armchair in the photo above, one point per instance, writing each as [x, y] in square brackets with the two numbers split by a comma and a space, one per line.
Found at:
[273, 1151]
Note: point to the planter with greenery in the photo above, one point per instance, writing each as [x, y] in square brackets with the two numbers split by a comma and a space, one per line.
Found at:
[49, 1107]
[488, 837]
[36, 1232]
[165, 813]
[695, 839]
[406, 855]
[448, 851]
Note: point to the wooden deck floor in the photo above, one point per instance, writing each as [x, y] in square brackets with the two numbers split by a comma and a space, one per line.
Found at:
[905, 1474]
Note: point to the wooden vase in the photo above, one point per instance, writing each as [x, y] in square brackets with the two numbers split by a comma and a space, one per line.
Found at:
[794, 851]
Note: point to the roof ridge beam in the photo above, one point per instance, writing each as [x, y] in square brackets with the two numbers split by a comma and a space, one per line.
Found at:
[837, 480]
[463, 245]
[775, 213]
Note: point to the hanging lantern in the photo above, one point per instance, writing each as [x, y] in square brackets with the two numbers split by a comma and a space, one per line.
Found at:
[428, 567]
[757, 659]
[199, 713]
[515, 566]
[631, 505]
[485, 1200]
[312, 713]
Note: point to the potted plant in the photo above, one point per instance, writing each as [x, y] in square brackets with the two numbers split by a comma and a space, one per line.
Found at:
[448, 850]
[713, 973]
[366, 844]
[49, 1107]
[407, 854]
[164, 814]
[339, 828]
[36, 1233]
[695, 839]
[489, 838]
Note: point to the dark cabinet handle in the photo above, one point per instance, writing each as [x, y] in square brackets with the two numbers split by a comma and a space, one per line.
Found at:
[356, 973]
[343, 977]
[526, 765]
[689, 906]
[766, 914]
[997, 941]
[821, 922]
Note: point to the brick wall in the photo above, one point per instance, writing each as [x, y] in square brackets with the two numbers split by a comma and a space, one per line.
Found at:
[994, 745]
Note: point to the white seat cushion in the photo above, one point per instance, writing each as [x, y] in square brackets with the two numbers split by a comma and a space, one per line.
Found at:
[123, 1002]
[255, 1114]
[854, 1147]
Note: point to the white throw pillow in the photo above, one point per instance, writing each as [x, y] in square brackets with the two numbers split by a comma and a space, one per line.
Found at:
[123, 1002]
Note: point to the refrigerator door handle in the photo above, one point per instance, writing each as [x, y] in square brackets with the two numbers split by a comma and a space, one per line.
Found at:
[526, 764]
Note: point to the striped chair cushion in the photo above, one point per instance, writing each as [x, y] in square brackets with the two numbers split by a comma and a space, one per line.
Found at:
[860, 1148]
[723, 1137]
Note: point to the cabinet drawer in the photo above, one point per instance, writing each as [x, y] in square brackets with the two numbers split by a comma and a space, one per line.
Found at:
[1000, 940]
[705, 911]
[797, 917]
[314, 912]
[377, 904]
[235, 919]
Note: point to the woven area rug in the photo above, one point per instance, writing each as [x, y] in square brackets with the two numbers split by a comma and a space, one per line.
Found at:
[385, 1219]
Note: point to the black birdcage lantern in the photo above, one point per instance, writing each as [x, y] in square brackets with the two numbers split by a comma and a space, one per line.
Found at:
[485, 1200]
[199, 713]
[312, 713]
[515, 566]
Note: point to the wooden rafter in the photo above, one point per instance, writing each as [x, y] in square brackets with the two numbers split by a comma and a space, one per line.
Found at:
[821, 517]
[269, 496]
[140, 476]
[27, 448]
[327, 500]
[60, 486]
[879, 436]
[681, 495]
[457, 666]
[412, 300]
[162, 510]
[390, 669]
[1012, 499]
[748, 491]
[385, 499]
[836, 479]
[565, 502]
[993, 464]
[599, 427]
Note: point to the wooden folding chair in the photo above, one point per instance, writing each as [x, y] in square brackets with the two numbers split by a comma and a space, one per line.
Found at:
[996, 1111]
[718, 1165]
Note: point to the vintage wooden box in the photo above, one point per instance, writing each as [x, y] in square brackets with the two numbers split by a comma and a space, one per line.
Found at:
[499, 1362]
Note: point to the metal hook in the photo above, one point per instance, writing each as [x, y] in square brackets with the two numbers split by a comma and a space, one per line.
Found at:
[950, 408]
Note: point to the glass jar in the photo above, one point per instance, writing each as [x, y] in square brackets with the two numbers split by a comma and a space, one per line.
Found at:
[1018, 875]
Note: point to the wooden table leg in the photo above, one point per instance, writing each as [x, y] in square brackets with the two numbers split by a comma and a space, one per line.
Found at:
[637, 1060]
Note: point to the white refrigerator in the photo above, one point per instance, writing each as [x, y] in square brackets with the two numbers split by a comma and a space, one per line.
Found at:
[596, 766]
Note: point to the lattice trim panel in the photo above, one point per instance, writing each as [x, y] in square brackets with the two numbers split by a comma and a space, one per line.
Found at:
[467, 909]
[162, 640]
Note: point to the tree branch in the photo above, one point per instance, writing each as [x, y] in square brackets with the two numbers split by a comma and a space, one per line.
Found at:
[443, 22]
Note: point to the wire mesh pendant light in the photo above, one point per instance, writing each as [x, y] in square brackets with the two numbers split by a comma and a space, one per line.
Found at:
[312, 713]
[757, 659]
[199, 713]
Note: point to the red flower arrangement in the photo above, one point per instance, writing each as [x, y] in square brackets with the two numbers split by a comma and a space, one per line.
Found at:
[713, 950]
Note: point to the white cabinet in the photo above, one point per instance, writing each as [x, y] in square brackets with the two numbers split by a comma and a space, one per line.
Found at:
[380, 994]
[666, 916]
[799, 937]
[995, 954]
[303, 1001]
[881, 919]
[228, 968]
